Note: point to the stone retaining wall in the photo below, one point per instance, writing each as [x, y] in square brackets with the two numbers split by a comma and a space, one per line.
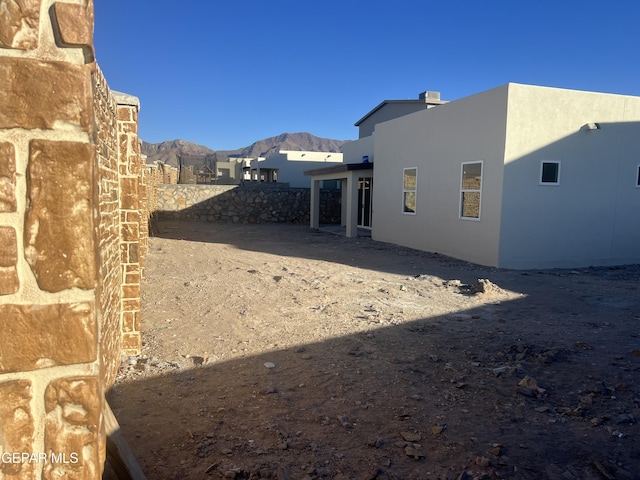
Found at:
[244, 204]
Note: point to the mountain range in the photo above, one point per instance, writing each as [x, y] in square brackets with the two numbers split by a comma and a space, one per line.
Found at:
[169, 151]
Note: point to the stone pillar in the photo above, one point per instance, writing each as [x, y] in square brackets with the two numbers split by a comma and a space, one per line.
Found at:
[60, 237]
[133, 220]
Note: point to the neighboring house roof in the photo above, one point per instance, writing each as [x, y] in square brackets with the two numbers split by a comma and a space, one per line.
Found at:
[426, 98]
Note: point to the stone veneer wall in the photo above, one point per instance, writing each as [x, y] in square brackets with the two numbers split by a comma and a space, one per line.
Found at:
[153, 175]
[72, 239]
[110, 273]
[244, 204]
[133, 220]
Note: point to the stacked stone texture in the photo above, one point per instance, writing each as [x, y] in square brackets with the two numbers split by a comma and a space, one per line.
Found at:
[153, 175]
[250, 204]
[110, 269]
[133, 222]
[62, 279]
[151, 178]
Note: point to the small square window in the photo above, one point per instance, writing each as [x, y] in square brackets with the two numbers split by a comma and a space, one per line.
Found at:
[550, 173]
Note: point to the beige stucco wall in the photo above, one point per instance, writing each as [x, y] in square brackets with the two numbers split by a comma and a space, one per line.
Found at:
[388, 111]
[437, 141]
[591, 217]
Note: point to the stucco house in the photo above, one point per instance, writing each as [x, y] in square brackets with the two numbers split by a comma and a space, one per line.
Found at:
[355, 177]
[288, 166]
[519, 177]
[230, 171]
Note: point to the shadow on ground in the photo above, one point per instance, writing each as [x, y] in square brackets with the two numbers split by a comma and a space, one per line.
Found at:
[543, 386]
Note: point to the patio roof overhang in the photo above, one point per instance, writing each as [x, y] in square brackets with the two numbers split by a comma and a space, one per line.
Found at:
[338, 169]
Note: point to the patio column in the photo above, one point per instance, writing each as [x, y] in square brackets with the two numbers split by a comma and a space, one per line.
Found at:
[343, 202]
[352, 205]
[314, 213]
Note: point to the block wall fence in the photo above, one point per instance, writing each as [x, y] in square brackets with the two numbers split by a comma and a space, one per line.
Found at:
[73, 236]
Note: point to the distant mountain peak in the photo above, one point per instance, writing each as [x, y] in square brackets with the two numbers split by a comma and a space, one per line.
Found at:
[302, 141]
[178, 144]
[169, 151]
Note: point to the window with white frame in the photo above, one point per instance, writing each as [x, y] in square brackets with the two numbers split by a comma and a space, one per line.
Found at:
[409, 190]
[549, 173]
[470, 190]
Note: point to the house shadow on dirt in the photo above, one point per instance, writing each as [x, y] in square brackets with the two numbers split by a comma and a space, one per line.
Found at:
[544, 385]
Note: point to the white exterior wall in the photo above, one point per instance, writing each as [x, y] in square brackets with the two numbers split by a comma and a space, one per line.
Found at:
[354, 151]
[592, 217]
[437, 141]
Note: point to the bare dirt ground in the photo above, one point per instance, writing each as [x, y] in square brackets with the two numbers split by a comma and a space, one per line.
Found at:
[278, 352]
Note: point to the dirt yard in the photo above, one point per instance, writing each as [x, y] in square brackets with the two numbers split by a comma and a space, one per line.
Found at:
[278, 352]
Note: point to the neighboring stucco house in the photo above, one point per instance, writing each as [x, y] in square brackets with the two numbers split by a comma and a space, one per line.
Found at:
[518, 177]
[288, 166]
[230, 171]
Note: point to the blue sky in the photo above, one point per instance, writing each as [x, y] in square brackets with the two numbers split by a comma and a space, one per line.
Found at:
[225, 73]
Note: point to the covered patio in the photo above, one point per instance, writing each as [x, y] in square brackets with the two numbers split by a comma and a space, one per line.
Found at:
[356, 184]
